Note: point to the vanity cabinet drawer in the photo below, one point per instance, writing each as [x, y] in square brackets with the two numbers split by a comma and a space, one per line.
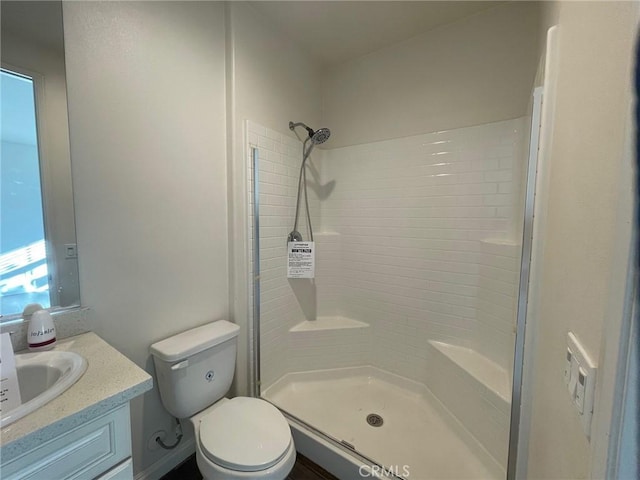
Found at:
[84, 452]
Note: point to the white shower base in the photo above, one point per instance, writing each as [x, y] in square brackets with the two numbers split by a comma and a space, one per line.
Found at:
[417, 431]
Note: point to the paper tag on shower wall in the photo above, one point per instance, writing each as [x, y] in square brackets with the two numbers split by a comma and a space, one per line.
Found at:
[301, 260]
[9, 388]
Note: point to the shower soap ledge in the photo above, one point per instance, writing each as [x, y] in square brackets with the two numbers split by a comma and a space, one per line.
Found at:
[328, 323]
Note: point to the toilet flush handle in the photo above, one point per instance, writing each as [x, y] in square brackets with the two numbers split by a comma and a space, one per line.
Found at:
[179, 365]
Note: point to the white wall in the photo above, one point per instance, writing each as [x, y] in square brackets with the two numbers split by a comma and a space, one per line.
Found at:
[473, 71]
[147, 113]
[271, 81]
[582, 231]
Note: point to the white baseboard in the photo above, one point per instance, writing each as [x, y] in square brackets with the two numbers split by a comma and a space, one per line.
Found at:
[172, 459]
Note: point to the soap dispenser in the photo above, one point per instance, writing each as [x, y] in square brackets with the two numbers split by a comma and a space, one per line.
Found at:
[42, 331]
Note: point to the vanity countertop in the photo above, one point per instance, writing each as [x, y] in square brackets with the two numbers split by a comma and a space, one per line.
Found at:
[111, 379]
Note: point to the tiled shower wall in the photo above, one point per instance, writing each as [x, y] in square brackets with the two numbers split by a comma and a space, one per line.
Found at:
[417, 236]
[281, 306]
[414, 217]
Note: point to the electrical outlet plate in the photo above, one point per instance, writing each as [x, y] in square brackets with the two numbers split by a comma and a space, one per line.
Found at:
[582, 361]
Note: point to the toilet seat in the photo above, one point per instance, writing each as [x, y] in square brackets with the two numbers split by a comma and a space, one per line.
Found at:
[244, 434]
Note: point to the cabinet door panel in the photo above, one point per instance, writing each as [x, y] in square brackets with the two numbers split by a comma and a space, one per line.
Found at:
[81, 453]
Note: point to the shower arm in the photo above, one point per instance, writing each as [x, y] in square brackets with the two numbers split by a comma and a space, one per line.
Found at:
[309, 130]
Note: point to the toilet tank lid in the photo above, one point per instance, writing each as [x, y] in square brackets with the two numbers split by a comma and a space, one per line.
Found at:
[194, 341]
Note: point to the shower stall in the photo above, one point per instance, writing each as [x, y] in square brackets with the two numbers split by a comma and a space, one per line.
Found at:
[400, 349]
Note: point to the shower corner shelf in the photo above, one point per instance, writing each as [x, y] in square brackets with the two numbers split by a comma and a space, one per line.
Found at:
[487, 376]
[328, 323]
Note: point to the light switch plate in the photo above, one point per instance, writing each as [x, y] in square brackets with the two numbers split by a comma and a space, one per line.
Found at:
[582, 362]
[567, 367]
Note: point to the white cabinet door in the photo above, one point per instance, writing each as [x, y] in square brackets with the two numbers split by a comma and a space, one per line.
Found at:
[82, 453]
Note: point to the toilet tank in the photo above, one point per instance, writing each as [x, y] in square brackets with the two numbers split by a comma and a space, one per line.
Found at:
[194, 369]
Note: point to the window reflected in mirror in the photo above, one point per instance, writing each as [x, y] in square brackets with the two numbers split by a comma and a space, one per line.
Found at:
[38, 254]
[24, 275]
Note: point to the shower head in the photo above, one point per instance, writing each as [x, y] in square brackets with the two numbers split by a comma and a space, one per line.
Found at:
[320, 136]
[317, 137]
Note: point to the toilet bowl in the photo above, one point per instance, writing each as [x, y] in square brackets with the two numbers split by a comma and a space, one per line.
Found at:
[243, 438]
[240, 438]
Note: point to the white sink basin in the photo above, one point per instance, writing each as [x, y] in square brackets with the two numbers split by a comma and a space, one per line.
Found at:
[43, 376]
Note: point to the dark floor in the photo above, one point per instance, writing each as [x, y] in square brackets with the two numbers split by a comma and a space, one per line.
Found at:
[304, 469]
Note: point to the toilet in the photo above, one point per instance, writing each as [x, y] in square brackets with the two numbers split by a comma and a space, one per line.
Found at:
[238, 438]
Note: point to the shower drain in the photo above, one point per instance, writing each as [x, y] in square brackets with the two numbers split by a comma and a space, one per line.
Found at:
[374, 420]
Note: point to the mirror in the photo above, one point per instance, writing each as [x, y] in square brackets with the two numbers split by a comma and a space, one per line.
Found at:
[38, 255]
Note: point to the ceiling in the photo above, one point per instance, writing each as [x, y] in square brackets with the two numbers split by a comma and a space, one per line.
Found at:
[334, 32]
[39, 21]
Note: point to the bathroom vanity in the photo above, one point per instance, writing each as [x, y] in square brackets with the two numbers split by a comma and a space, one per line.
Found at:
[85, 432]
